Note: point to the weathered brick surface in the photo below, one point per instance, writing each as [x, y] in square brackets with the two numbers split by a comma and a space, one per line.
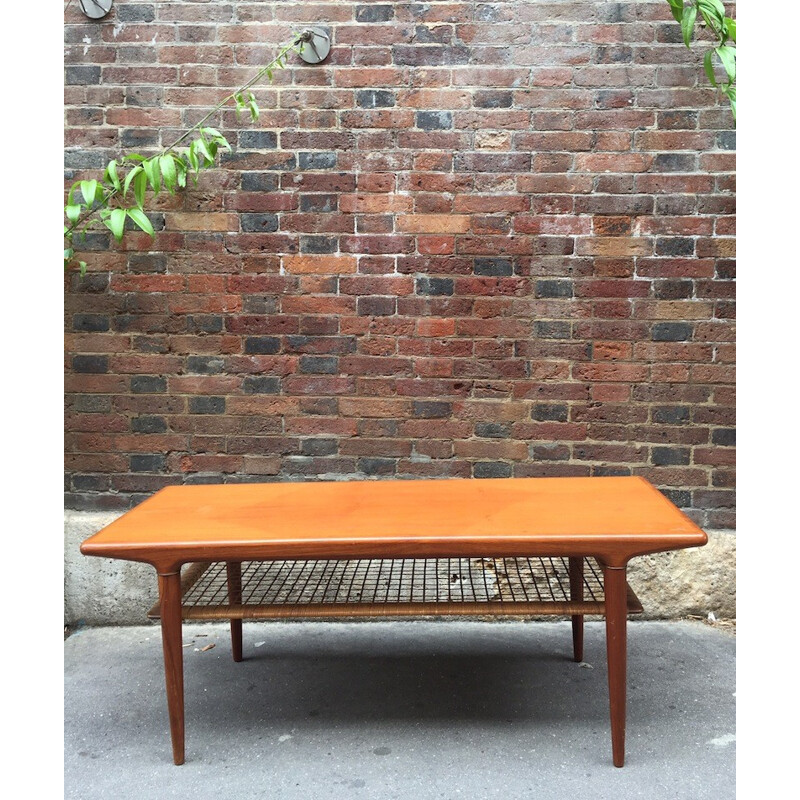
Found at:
[483, 239]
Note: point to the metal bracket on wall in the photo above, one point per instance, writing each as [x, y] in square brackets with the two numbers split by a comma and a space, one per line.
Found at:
[316, 45]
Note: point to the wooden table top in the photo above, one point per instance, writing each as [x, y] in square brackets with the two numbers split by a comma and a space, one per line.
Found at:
[612, 518]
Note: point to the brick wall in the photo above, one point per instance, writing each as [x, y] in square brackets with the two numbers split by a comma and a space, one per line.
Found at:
[483, 239]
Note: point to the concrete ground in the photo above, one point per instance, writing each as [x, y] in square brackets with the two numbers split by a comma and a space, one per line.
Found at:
[396, 709]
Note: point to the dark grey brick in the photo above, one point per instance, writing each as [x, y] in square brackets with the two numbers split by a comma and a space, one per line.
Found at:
[434, 286]
[675, 162]
[679, 497]
[148, 424]
[206, 405]
[204, 323]
[674, 246]
[319, 244]
[671, 415]
[374, 13]
[673, 289]
[138, 137]
[552, 329]
[544, 412]
[82, 76]
[319, 202]
[259, 182]
[491, 98]
[137, 12]
[491, 469]
[261, 384]
[326, 160]
[84, 159]
[259, 223]
[205, 365]
[726, 140]
[90, 322]
[377, 466]
[606, 471]
[148, 462]
[672, 332]
[93, 364]
[92, 403]
[492, 430]
[148, 384]
[321, 365]
[258, 140]
[431, 409]
[549, 288]
[724, 436]
[433, 34]
[435, 120]
[375, 98]
[319, 447]
[90, 483]
[493, 266]
[147, 262]
[259, 304]
[669, 456]
[262, 345]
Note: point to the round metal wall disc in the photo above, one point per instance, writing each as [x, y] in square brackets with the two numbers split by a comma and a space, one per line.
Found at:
[317, 49]
[96, 9]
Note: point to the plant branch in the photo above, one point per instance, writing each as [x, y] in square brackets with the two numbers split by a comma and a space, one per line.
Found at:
[110, 192]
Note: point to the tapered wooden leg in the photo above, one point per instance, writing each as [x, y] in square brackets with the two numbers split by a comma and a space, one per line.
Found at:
[234, 569]
[576, 595]
[169, 591]
[615, 586]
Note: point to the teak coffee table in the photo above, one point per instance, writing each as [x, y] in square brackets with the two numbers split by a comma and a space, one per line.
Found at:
[398, 548]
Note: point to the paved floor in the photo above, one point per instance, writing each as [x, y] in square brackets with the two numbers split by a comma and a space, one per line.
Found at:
[418, 709]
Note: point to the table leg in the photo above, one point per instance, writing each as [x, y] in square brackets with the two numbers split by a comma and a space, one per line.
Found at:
[615, 587]
[169, 592]
[576, 595]
[234, 569]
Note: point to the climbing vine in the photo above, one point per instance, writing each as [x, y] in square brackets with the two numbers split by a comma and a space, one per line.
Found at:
[710, 14]
[121, 193]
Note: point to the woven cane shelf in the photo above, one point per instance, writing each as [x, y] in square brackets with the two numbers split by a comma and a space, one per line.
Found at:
[390, 587]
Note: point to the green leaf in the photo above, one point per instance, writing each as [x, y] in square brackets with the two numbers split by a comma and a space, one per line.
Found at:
[133, 157]
[89, 192]
[253, 110]
[687, 24]
[112, 176]
[714, 7]
[730, 28]
[730, 92]
[129, 177]
[181, 168]
[202, 148]
[116, 223]
[192, 156]
[82, 268]
[68, 253]
[153, 174]
[168, 172]
[709, 67]
[140, 188]
[73, 212]
[139, 218]
[727, 55]
[676, 7]
[213, 132]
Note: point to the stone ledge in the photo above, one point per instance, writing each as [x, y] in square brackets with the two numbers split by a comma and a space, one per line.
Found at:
[99, 591]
